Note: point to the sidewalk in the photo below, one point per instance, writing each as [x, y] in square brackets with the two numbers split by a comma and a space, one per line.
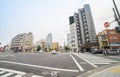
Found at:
[112, 70]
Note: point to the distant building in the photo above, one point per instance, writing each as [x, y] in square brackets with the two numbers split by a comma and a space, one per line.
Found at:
[55, 46]
[108, 39]
[49, 41]
[103, 40]
[6, 48]
[22, 42]
[82, 30]
[42, 44]
[1, 49]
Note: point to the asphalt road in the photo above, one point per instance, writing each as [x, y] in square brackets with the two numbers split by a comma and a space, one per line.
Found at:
[52, 65]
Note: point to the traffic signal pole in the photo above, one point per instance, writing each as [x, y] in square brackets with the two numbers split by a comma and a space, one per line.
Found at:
[116, 12]
[117, 18]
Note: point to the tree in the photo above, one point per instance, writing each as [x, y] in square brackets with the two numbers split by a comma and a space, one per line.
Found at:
[38, 48]
[67, 48]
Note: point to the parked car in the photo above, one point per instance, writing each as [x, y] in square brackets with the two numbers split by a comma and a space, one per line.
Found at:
[111, 52]
[97, 51]
[54, 52]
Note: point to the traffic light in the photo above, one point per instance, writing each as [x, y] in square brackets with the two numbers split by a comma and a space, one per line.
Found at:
[117, 29]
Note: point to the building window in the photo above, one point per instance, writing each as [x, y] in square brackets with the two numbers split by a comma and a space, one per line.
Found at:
[111, 32]
[114, 37]
[110, 37]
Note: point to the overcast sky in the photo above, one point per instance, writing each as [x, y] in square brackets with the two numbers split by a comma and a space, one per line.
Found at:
[48, 16]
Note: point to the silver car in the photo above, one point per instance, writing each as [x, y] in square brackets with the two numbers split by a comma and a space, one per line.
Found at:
[111, 52]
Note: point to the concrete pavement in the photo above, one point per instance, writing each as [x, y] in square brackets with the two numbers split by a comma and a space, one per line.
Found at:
[113, 71]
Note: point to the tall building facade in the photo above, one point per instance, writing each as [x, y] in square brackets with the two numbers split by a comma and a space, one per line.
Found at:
[82, 30]
[22, 42]
[49, 41]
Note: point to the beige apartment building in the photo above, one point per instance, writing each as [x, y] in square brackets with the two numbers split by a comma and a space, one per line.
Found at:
[22, 42]
[42, 44]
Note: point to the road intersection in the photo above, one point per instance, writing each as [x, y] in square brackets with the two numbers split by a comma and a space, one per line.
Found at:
[57, 65]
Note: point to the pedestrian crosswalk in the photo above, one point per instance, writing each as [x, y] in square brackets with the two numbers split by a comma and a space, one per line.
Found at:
[87, 62]
[13, 73]
[94, 59]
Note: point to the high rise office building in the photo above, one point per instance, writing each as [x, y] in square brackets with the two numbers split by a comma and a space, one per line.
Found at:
[49, 41]
[82, 30]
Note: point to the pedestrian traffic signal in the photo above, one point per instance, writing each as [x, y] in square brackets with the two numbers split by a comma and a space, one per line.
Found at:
[117, 29]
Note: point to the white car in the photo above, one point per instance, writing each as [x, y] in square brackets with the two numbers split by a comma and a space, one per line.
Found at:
[40, 51]
[54, 52]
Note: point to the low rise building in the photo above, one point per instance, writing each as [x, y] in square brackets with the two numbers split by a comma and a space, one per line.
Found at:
[108, 39]
[42, 44]
[55, 46]
[22, 42]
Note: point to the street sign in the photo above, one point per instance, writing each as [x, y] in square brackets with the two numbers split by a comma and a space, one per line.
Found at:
[106, 24]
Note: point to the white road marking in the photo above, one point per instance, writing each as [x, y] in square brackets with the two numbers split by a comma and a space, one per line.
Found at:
[36, 76]
[59, 69]
[115, 57]
[20, 73]
[13, 71]
[80, 67]
[6, 75]
[6, 55]
[102, 63]
[95, 59]
[18, 76]
[87, 61]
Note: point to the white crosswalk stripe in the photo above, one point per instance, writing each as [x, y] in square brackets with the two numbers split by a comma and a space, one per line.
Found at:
[2, 72]
[6, 75]
[8, 72]
[18, 76]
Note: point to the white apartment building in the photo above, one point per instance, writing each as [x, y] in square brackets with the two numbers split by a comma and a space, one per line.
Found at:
[22, 42]
[73, 37]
